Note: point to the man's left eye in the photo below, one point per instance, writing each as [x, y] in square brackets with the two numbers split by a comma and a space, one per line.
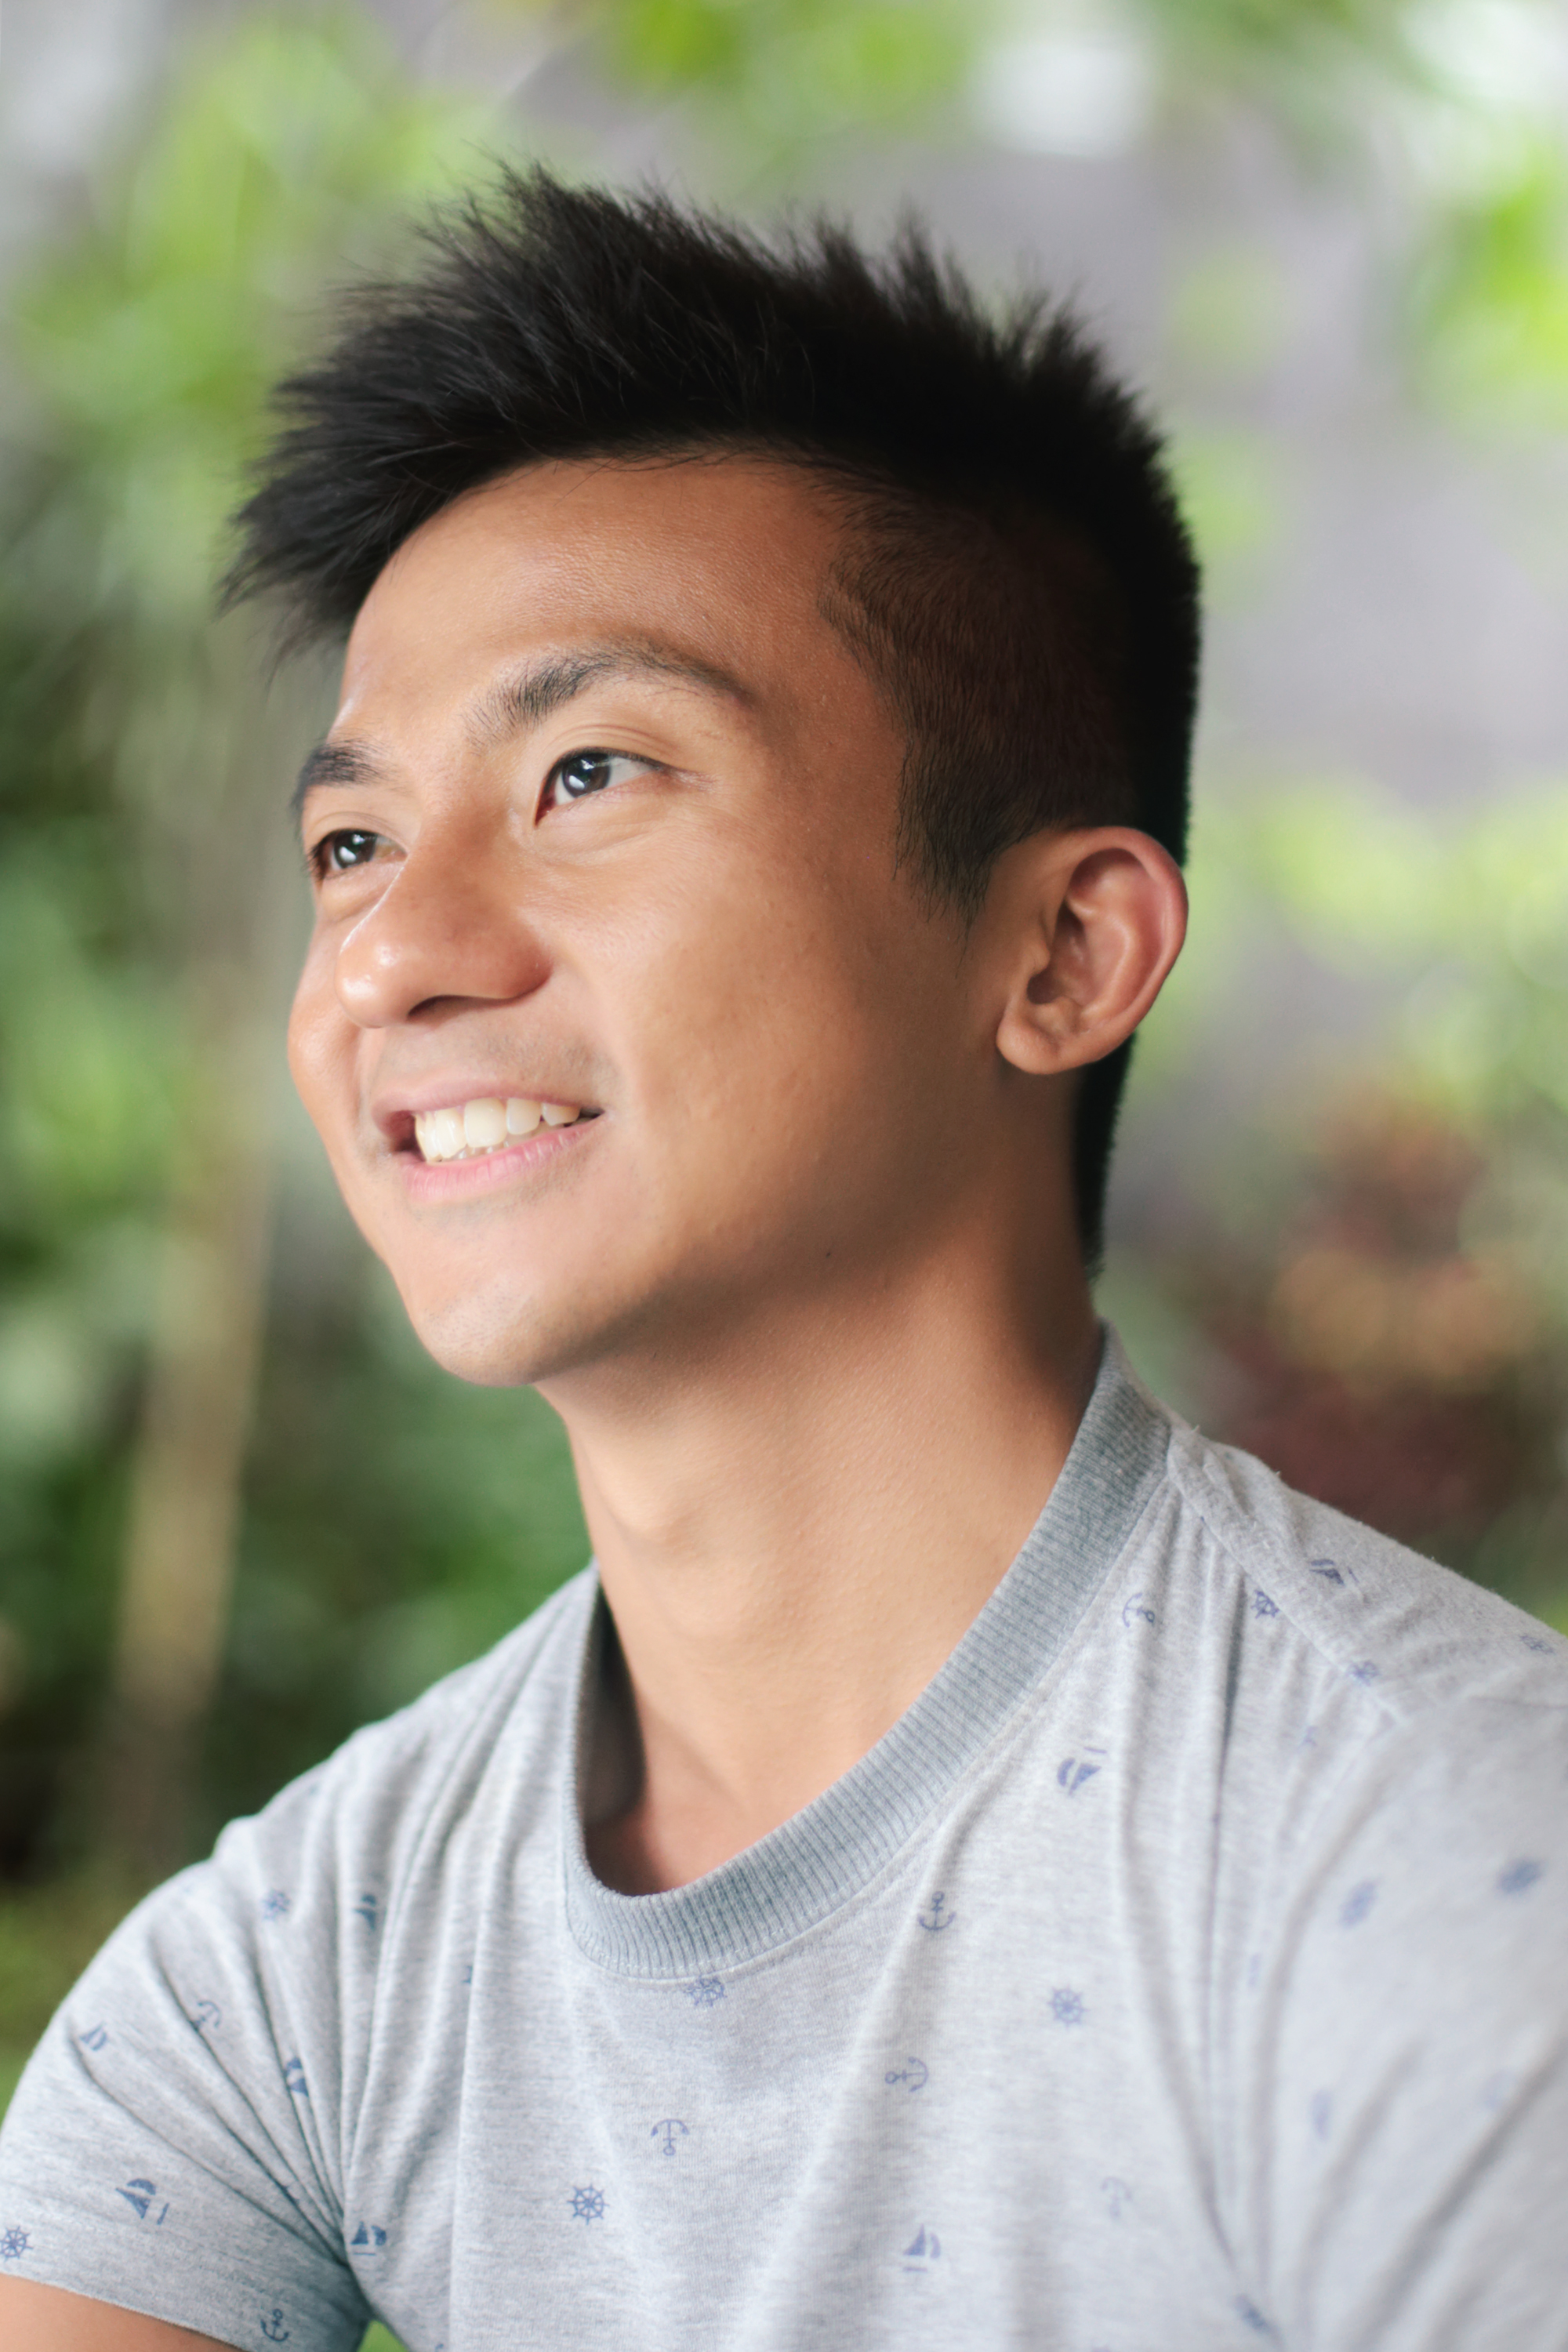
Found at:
[582, 772]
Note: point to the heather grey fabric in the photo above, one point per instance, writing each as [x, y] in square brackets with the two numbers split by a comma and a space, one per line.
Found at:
[1187, 1968]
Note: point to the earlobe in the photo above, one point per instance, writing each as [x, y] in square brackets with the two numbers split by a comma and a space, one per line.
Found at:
[1089, 924]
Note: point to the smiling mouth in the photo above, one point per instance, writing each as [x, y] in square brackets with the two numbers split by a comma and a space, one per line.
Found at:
[472, 1131]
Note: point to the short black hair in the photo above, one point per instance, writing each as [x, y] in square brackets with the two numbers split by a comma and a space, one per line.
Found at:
[1015, 571]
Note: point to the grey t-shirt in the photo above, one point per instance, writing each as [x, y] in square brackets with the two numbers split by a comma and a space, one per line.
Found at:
[1187, 1968]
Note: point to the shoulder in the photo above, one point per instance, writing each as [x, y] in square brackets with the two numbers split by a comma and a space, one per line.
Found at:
[502, 1721]
[1319, 1686]
[277, 1950]
[304, 1892]
[1410, 1635]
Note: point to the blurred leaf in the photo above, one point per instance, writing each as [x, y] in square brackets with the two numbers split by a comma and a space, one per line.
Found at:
[772, 77]
[1490, 299]
[1229, 481]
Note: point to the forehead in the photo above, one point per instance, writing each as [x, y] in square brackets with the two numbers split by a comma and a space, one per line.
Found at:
[723, 559]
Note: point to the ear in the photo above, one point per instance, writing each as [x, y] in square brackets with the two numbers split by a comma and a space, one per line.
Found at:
[1085, 925]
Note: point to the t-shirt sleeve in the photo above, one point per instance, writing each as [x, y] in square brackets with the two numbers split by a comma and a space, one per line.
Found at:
[174, 2144]
[1407, 2138]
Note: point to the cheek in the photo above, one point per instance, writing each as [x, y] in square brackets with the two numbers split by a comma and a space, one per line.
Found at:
[318, 1049]
[766, 1023]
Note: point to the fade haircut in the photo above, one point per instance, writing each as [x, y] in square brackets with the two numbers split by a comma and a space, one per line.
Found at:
[1015, 573]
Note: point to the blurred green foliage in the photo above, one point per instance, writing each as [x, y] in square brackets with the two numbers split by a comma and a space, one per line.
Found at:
[777, 75]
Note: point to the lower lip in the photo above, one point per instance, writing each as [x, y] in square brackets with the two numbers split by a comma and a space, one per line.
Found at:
[466, 1180]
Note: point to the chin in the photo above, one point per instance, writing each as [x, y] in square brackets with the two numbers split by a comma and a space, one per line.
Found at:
[480, 1340]
[498, 1337]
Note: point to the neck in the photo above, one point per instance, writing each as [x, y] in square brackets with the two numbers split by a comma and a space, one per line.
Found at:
[795, 1537]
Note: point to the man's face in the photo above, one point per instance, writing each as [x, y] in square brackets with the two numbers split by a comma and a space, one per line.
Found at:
[606, 823]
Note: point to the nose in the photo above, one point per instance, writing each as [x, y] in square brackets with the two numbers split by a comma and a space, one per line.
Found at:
[450, 930]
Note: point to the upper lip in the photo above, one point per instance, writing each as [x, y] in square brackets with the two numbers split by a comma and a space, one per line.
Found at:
[395, 1111]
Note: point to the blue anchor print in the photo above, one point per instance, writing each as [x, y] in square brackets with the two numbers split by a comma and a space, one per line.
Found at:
[367, 2239]
[274, 2329]
[143, 2196]
[1136, 1608]
[669, 2127]
[914, 2073]
[294, 2079]
[1331, 1571]
[1535, 1642]
[1518, 1877]
[1247, 2311]
[93, 2039]
[365, 1909]
[207, 2016]
[1072, 1773]
[13, 2244]
[939, 1917]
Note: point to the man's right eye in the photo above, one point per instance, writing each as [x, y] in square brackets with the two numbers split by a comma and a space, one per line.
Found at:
[339, 853]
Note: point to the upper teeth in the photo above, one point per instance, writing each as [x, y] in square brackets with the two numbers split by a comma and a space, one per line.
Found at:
[484, 1125]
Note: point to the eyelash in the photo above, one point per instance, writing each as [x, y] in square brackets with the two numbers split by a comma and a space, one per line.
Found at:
[593, 754]
[320, 855]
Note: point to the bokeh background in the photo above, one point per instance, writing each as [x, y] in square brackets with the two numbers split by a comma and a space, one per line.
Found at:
[239, 1513]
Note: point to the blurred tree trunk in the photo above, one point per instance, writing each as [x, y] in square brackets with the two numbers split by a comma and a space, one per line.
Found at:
[225, 841]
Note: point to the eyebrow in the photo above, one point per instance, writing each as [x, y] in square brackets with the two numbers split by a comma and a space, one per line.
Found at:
[331, 764]
[526, 699]
[537, 692]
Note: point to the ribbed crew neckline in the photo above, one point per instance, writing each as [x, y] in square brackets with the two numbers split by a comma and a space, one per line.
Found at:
[816, 1861]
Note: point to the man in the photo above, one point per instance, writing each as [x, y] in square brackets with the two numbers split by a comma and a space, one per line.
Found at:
[973, 1864]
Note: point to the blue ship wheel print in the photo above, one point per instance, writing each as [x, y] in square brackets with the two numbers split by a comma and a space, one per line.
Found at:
[13, 2244]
